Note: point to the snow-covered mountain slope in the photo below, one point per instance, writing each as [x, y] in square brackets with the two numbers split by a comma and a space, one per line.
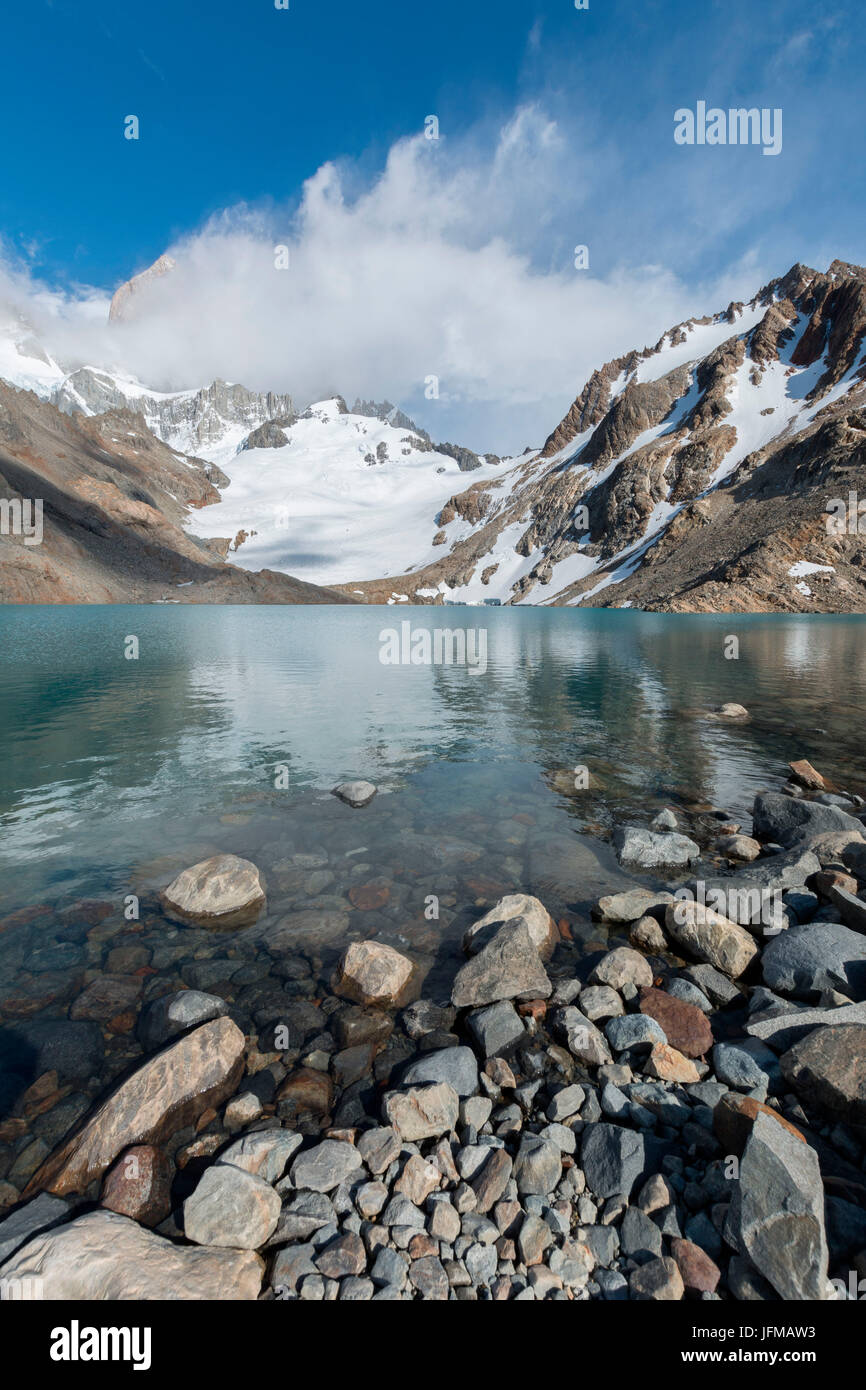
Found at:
[345, 497]
[753, 419]
[693, 474]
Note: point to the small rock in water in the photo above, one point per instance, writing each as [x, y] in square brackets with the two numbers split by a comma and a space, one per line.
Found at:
[531, 911]
[650, 849]
[371, 973]
[621, 967]
[224, 891]
[355, 793]
[173, 1014]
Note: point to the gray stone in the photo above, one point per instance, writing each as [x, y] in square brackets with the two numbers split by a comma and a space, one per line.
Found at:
[639, 1236]
[814, 957]
[634, 1030]
[584, 1040]
[325, 1166]
[103, 1257]
[777, 1213]
[612, 1158]
[622, 966]
[789, 820]
[629, 906]
[713, 983]
[390, 1268]
[828, 1069]
[538, 1166]
[422, 1112]
[173, 1014]
[649, 849]
[232, 1208]
[690, 994]
[355, 793]
[496, 1027]
[42, 1214]
[509, 967]
[600, 1002]
[745, 1065]
[454, 1065]
[782, 1029]
[565, 1103]
[265, 1153]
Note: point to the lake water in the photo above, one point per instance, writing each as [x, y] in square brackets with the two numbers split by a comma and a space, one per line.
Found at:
[116, 773]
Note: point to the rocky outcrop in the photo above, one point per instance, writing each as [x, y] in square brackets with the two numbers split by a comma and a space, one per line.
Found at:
[102, 1257]
[173, 1089]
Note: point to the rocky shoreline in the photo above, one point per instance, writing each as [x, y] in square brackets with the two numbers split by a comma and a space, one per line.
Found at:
[679, 1114]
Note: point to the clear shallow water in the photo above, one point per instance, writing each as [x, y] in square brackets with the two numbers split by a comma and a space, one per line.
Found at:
[116, 774]
[109, 763]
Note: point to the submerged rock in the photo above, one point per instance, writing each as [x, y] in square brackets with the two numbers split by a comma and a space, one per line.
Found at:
[355, 793]
[223, 891]
[650, 849]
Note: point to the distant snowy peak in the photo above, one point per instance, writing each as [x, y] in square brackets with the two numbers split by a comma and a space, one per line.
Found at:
[125, 297]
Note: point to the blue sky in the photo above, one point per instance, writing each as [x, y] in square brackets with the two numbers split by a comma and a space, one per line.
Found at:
[240, 104]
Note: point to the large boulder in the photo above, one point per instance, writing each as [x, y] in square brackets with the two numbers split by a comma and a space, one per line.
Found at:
[651, 849]
[781, 1030]
[776, 1216]
[103, 1257]
[817, 956]
[372, 973]
[223, 891]
[508, 967]
[171, 1090]
[533, 913]
[710, 937]
[791, 820]
[827, 1069]
[751, 896]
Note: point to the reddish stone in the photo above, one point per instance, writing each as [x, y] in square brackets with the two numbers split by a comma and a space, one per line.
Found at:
[366, 897]
[22, 918]
[490, 889]
[422, 1245]
[121, 1023]
[699, 1273]
[564, 929]
[523, 819]
[139, 1185]
[307, 1089]
[734, 1117]
[106, 996]
[684, 1025]
[533, 1008]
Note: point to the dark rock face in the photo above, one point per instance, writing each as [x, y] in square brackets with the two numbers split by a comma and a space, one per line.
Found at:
[827, 1070]
[787, 819]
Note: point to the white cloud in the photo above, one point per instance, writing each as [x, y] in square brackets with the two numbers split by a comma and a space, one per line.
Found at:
[454, 262]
